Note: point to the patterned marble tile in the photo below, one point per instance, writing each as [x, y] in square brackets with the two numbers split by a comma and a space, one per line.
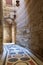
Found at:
[18, 56]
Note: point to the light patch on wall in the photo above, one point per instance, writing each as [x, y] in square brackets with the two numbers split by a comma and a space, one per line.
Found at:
[14, 2]
[22, 15]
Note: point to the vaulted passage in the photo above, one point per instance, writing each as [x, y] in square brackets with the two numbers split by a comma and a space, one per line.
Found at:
[21, 23]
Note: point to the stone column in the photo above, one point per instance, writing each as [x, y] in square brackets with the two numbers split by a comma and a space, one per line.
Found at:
[1, 28]
[14, 33]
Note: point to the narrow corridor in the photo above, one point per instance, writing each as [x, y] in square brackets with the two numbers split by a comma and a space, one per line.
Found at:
[21, 32]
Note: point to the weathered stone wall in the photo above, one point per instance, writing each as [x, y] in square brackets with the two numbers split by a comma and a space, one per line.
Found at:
[33, 38]
[35, 11]
[1, 37]
[1, 28]
[22, 28]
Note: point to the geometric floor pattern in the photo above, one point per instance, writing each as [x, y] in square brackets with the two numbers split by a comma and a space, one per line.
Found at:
[16, 55]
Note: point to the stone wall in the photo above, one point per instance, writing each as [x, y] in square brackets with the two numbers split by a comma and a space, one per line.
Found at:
[31, 35]
[1, 37]
[1, 28]
[35, 11]
[22, 34]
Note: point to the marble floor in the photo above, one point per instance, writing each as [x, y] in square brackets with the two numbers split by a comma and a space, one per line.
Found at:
[17, 55]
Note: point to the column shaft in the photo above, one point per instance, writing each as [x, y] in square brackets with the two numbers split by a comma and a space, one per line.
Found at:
[14, 33]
